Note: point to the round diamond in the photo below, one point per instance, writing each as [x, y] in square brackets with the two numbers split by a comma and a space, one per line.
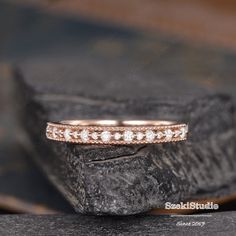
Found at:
[76, 134]
[160, 135]
[150, 135]
[49, 129]
[117, 136]
[95, 135]
[183, 131]
[105, 136]
[177, 133]
[67, 134]
[128, 135]
[60, 132]
[168, 134]
[140, 136]
[84, 135]
[54, 132]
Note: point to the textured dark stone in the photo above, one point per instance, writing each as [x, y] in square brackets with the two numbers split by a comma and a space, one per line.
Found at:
[117, 74]
[128, 179]
[23, 187]
[216, 224]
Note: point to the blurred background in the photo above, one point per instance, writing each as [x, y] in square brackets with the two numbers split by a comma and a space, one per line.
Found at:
[203, 31]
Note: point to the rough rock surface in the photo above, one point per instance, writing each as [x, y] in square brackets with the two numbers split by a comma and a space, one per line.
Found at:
[129, 179]
[222, 223]
[131, 77]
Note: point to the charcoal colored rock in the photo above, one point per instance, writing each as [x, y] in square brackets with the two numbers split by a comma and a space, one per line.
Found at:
[131, 78]
[130, 179]
[222, 223]
[23, 187]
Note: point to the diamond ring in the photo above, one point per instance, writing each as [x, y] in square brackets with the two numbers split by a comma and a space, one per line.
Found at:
[119, 132]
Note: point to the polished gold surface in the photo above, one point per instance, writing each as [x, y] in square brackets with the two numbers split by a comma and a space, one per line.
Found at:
[117, 122]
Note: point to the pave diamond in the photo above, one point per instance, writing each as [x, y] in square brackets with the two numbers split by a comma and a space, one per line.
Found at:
[117, 136]
[75, 134]
[159, 134]
[105, 136]
[140, 136]
[168, 134]
[128, 135]
[183, 131]
[54, 132]
[49, 129]
[67, 133]
[60, 132]
[177, 133]
[84, 135]
[95, 135]
[150, 135]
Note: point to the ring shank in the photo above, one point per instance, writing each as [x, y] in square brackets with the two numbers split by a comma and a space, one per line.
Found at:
[120, 132]
[117, 122]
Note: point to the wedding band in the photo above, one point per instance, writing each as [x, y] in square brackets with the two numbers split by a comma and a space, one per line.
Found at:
[119, 132]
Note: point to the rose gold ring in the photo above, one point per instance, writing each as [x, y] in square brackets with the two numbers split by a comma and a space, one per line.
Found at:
[116, 131]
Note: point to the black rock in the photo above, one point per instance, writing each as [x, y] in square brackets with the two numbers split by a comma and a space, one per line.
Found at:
[131, 78]
[222, 223]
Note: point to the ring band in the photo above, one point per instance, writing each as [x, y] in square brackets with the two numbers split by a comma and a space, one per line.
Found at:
[119, 132]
